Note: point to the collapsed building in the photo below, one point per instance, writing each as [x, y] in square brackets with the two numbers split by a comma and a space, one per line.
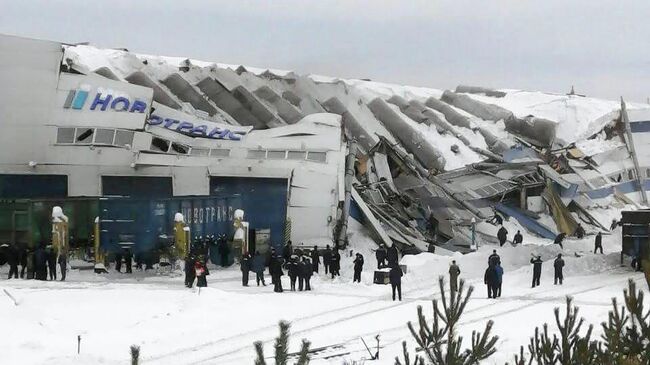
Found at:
[132, 139]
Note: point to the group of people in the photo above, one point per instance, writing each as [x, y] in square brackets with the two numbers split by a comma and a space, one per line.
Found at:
[35, 263]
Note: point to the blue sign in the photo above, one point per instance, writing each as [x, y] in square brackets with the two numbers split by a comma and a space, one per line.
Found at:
[195, 130]
[76, 99]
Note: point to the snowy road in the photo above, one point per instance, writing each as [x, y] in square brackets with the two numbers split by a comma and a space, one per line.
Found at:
[175, 325]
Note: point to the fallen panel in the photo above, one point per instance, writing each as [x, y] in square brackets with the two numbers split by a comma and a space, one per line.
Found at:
[526, 221]
[223, 99]
[480, 90]
[186, 92]
[285, 110]
[373, 224]
[482, 110]
[450, 114]
[251, 103]
[159, 94]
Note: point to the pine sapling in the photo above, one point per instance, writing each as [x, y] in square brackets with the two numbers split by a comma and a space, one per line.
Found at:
[135, 354]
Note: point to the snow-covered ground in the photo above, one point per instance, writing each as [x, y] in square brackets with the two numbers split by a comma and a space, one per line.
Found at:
[175, 325]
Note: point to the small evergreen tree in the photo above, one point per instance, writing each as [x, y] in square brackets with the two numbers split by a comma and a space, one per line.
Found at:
[281, 348]
[135, 354]
[440, 341]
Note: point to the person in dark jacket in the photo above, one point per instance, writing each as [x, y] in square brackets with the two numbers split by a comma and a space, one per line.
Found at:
[276, 273]
[502, 235]
[559, 238]
[190, 273]
[118, 261]
[287, 251]
[380, 255]
[335, 265]
[454, 271]
[258, 268]
[537, 269]
[327, 259]
[392, 255]
[305, 272]
[13, 258]
[315, 260]
[63, 265]
[201, 273]
[499, 272]
[518, 238]
[31, 264]
[490, 279]
[51, 261]
[599, 243]
[40, 263]
[128, 260]
[358, 267]
[494, 259]
[558, 265]
[293, 271]
[245, 266]
[395, 276]
[580, 231]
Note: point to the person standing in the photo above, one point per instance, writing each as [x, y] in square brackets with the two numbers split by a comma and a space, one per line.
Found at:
[336, 263]
[305, 271]
[490, 279]
[13, 258]
[315, 260]
[128, 260]
[245, 266]
[201, 273]
[502, 235]
[558, 265]
[118, 261]
[558, 240]
[395, 276]
[518, 239]
[287, 251]
[40, 262]
[258, 268]
[537, 269]
[380, 255]
[580, 231]
[276, 273]
[454, 271]
[499, 280]
[599, 243]
[190, 273]
[293, 271]
[392, 255]
[63, 265]
[51, 261]
[327, 259]
[358, 267]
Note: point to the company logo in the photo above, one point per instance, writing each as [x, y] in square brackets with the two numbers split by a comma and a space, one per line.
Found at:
[193, 130]
[103, 100]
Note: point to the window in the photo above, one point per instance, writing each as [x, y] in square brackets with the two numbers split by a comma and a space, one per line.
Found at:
[123, 138]
[84, 135]
[180, 148]
[159, 145]
[222, 152]
[630, 174]
[296, 155]
[276, 155]
[255, 154]
[104, 136]
[317, 156]
[65, 135]
[200, 152]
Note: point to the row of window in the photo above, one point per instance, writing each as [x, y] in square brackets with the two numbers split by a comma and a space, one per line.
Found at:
[287, 155]
[95, 136]
[124, 138]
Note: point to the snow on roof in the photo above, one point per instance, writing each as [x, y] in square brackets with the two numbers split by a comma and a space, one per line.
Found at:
[577, 117]
[591, 147]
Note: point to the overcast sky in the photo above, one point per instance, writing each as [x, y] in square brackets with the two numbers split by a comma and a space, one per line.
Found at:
[600, 46]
